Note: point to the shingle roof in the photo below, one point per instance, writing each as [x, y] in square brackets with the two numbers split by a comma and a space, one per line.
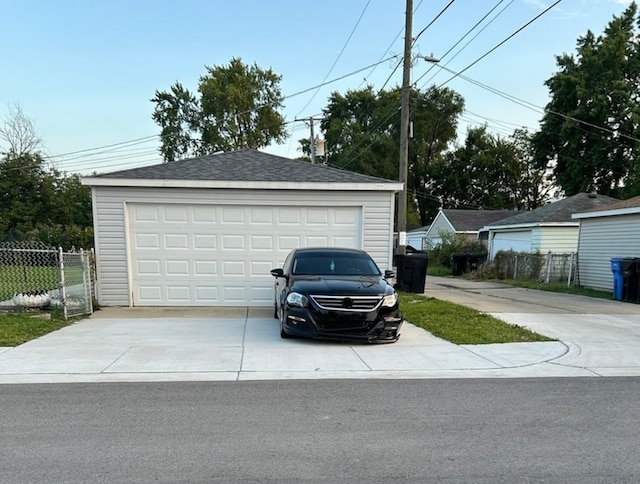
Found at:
[629, 203]
[243, 166]
[559, 211]
[474, 220]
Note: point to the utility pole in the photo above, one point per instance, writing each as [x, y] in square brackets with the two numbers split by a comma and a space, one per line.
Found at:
[404, 131]
[312, 137]
[312, 145]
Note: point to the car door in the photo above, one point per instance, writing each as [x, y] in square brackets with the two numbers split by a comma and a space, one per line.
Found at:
[281, 282]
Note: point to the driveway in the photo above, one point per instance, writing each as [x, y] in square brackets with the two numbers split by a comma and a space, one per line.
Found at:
[209, 344]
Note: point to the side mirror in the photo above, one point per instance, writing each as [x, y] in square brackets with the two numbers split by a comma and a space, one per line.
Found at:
[387, 274]
[277, 272]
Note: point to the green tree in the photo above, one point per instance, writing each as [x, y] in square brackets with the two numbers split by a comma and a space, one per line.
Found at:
[590, 129]
[237, 107]
[434, 115]
[362, 134]
[489, 172]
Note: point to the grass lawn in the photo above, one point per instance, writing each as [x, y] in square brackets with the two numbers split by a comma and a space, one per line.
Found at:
[558, 287]
[461, 325]
[18, 328]
[25, 278]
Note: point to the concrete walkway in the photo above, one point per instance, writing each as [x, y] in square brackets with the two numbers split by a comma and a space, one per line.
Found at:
[596, 337]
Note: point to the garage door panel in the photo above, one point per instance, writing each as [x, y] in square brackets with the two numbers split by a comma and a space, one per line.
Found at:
[210, 255]
[232, 242]
[176, 241]
[204, 241]
[205, 268]
[261, 242]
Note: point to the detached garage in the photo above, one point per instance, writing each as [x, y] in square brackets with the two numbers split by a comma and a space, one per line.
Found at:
[207, 231]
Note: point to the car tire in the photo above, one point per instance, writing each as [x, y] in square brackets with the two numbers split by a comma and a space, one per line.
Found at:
[275, 310]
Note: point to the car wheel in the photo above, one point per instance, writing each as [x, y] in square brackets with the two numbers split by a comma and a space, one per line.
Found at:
[283, 335]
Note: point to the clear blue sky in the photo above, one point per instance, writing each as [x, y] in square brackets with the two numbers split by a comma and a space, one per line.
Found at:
[84, 71]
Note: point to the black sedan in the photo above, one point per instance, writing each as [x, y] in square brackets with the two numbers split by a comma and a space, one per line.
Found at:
[333, 293]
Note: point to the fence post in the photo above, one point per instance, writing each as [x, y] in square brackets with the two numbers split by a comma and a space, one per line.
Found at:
[570, 269]
[61, 285]
[547, 275]
[515, 267]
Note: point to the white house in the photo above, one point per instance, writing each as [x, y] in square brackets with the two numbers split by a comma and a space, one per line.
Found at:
[549, 228]
[207, 231]
[606, 232]
[463, 222]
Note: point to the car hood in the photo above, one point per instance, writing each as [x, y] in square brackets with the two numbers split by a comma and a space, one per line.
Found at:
[341, 286]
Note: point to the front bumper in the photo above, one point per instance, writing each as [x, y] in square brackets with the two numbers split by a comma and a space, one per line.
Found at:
[372, 327]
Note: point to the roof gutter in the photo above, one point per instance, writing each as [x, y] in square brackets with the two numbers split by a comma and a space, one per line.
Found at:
[255, 185]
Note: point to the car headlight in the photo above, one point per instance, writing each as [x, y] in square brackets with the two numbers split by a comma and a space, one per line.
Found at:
[295, 299]
[390, 300]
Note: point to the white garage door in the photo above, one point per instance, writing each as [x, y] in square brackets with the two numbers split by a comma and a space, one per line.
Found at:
[517, 241]
[221, 255]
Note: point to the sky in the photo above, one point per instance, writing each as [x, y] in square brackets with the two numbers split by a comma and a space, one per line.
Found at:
[84, 71]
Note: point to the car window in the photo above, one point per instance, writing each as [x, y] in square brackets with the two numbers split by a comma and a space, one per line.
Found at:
[334, 264]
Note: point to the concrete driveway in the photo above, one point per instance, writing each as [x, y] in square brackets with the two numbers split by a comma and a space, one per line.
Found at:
[206, 344]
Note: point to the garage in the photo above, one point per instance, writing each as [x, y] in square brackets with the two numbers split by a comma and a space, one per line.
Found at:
[517, 241]
[207, 231]
[198, 255]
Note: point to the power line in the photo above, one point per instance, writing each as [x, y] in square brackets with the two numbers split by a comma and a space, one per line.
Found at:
[502, 43]
[463, 37]
[337, 58]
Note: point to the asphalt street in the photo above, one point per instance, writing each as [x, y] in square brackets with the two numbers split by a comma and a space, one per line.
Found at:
[595, 337]
[552, 430]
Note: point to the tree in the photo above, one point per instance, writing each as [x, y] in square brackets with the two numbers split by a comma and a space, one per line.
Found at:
[589, 133]
[237, 108]
[18, 134]
[38, 204]
[435, 116]
[489, 172]
[362, 135]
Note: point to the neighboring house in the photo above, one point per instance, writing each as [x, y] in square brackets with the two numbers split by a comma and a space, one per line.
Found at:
[463, 222]
[549, 228]
[207, 231]
[415, 237]
[609, 231]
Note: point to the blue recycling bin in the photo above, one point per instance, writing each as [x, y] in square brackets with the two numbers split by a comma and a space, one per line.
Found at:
[618, 278]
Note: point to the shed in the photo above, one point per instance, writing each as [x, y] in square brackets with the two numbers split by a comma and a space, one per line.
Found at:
[207, 231]
[549, 228]
[464, 222]
[609, 231]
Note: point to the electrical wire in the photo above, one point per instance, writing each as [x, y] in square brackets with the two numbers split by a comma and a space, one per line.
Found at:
[337, 58]
[503, 42]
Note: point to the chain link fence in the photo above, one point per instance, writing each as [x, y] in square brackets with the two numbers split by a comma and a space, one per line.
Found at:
[550, 267]
[35, 276]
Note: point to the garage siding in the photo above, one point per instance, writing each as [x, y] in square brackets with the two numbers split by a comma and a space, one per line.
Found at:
[114, 286]
[601, 239]
[560, 240]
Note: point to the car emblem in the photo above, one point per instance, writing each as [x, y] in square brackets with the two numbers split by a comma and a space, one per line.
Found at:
[347, 302]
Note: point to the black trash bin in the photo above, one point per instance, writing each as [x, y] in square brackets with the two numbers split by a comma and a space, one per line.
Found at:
[459, 263]
[629, 279]
[411, 271]
[475, 260]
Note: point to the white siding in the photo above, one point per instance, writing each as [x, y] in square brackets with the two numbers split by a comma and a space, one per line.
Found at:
[110, 213]
[601, 239]
[440, 224]
[560, 240]
[516, 240]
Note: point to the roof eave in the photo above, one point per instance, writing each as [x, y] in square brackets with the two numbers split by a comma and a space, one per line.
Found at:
[529, 225]
[253, 185]
[607, 213]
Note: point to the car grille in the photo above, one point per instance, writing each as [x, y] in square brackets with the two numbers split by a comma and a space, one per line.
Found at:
[348, 303]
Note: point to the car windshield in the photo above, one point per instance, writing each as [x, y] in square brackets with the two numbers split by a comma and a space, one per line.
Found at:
[335, 264]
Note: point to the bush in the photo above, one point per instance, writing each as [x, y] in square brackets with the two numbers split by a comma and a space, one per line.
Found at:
[451, 244]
